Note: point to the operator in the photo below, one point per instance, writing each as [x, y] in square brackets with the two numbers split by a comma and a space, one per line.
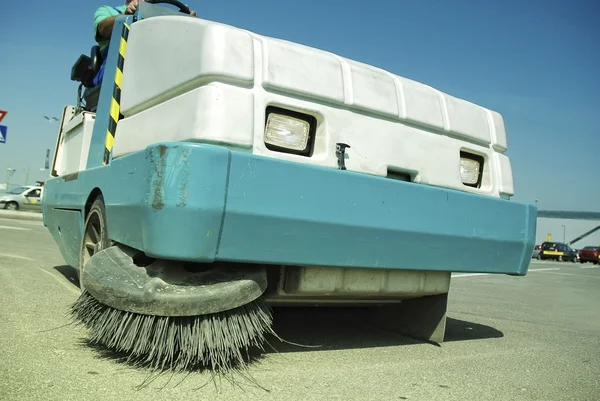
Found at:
[104, 20]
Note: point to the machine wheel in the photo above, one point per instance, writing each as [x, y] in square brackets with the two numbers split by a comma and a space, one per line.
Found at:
[95, 235]
[12, 206]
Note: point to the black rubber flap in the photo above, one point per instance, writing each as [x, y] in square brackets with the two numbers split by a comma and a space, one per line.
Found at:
[167, 288]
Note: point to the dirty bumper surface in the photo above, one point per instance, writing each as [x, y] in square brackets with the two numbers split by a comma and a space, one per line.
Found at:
[204, 203]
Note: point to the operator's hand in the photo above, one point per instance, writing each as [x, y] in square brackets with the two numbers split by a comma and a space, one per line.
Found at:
[192, 12]
[131, 7]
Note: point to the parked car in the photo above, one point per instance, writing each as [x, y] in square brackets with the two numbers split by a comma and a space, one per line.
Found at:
[571, 255]
[536, 252]
[27, 197]
[589, 254]
[557, 251]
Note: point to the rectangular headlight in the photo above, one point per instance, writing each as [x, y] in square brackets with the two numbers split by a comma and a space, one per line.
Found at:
[471, 168]
[288, 131]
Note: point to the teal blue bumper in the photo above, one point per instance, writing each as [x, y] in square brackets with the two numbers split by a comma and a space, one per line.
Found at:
[204, 203]
[287, 213]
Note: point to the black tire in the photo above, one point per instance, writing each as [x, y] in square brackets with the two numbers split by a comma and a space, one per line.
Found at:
[95, 235]
[12, 206]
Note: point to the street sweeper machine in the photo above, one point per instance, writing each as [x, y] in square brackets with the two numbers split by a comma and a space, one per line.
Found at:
[214, 173]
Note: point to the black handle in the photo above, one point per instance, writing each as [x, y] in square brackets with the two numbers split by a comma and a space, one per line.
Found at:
[182, 7]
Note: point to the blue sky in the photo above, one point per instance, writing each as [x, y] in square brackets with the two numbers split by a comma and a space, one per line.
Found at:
[536, 62]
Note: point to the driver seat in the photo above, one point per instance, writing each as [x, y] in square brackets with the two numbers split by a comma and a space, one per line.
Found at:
[84, 70]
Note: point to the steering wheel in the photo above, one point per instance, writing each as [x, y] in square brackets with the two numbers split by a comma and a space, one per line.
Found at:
[182, 7]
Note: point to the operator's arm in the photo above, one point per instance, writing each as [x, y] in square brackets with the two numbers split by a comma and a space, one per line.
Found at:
[104, 20]
[104, 27]
[103, 23]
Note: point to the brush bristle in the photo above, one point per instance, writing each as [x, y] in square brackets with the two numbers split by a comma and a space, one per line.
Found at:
[219, 341]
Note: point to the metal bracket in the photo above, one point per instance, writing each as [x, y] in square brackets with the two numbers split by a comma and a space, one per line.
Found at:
[340, 152]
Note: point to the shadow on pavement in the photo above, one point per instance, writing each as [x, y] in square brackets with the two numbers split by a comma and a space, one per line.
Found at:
[334, 328]
[325, 329]
[461, 330]
[307, 329]
[69, 273]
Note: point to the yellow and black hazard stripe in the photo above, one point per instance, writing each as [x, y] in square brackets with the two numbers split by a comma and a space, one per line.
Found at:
[115, 103]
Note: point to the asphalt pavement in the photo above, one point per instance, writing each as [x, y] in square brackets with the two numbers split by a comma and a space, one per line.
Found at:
[508, 338]
[31, 215]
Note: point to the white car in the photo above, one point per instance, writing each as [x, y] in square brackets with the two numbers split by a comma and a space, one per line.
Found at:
[27, 197]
